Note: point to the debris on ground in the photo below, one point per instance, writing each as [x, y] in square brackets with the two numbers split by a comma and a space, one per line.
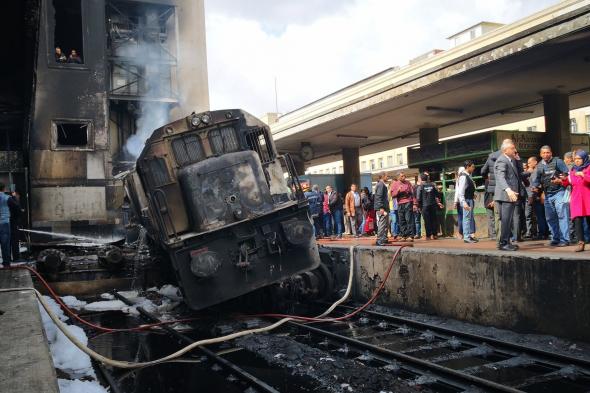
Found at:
[334, 375]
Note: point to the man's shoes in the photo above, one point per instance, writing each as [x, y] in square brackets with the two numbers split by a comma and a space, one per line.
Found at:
[580, 247]
[339, 236]
[508, 247]
[378, 243]
[469, 240]
[553, 243]
[474, 239]
[417, 237]
[562, 244]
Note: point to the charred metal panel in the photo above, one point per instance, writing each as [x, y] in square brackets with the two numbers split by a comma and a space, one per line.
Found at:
[226, 189]
[47, 164]
[56, 204]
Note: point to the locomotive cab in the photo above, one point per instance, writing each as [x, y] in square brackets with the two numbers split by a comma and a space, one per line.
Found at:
[228, 211]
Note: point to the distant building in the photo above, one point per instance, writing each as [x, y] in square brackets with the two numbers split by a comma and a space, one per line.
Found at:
[472, 33]
[270, 118]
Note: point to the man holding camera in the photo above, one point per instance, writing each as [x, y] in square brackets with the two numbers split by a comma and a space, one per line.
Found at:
[548, 178]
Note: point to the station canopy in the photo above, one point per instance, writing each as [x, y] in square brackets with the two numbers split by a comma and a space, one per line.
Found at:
[496, 79]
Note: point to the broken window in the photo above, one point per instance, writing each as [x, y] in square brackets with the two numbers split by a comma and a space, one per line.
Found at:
[68, 135]
[67, 33]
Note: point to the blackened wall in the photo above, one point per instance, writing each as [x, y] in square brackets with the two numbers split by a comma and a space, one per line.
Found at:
[70, 184]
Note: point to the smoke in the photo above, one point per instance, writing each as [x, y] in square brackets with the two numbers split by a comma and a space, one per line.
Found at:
[148, 74]
[153, 115]
[153, 42]
[153, 85]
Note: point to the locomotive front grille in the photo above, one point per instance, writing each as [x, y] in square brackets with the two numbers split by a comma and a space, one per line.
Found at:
[188, 149]
[223, 140]
[256, 140]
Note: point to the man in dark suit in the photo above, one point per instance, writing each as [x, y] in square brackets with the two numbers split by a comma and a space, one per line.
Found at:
[509, 186]
[381, 206]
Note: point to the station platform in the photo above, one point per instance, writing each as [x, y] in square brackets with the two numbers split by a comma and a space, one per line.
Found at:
[537, 289]
[525, 247]
[25, 361]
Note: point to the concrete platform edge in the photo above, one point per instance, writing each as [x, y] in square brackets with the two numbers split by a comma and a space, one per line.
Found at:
[533, 292]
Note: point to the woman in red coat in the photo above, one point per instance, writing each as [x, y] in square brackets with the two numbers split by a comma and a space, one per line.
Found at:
[579, 178]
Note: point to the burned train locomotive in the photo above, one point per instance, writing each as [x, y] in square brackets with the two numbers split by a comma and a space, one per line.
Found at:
[226, 209]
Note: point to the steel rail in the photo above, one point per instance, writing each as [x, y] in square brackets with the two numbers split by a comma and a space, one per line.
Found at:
[540, 353]
[436, 368]
[241, 373]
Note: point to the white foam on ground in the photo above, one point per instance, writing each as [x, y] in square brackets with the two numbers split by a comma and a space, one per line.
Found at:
[107, 296]
[171, 292]
[171, 298]
[66, 356]
[73, 302]
[107, 305]
[77, 386]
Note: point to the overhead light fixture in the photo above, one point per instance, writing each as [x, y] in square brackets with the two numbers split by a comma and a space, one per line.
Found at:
[439, 108]
[351, 136]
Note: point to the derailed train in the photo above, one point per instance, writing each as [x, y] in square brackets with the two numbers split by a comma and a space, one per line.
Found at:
[227, 210]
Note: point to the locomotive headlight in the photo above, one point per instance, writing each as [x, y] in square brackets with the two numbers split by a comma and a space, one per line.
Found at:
[205, 264]
[195, 121]
[206, 119]
[297, 232]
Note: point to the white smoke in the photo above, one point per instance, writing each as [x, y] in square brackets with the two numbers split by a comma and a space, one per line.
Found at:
[153, 86]
[153, 115]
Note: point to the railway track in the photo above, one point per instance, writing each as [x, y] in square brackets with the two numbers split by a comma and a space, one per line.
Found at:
[400, 352]
[445, 359]
[252, 382]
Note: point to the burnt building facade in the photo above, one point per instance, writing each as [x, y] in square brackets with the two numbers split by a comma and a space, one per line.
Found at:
[115, 77]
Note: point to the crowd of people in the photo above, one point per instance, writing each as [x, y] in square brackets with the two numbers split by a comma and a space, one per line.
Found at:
[546, 198]
[10, 212]
[61, 57]
[394, 211]
[537, 199]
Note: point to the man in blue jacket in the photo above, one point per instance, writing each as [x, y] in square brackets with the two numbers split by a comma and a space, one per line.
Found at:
[6, 202]
[548, 178]
[315, 199]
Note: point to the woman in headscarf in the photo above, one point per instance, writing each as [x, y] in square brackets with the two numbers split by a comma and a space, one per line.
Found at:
[579, 179]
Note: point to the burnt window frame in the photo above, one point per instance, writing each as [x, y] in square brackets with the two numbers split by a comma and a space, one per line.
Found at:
[49, 11]
[89, 135]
